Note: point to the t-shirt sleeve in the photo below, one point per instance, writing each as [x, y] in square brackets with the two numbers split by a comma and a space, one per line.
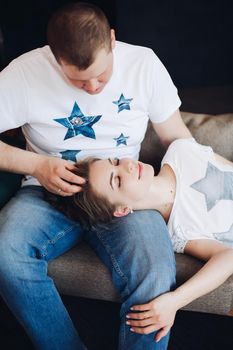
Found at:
[185, 149]
[164, 99]
[178, 244]
[13, 101]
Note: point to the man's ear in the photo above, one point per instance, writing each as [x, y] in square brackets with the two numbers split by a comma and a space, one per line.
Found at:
[113, 39]
[122, 211]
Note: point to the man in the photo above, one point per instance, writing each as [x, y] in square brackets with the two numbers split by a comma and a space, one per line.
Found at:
[82, 95]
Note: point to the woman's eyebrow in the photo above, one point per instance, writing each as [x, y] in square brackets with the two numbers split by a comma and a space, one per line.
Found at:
[111, 176]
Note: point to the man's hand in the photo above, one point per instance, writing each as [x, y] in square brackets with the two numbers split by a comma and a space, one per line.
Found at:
[56, 176]
[157, 315]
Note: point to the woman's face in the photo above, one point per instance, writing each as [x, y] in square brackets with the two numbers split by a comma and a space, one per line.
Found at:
[125, 181]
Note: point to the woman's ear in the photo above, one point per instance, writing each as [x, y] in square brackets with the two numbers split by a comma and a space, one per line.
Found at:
[122, 211]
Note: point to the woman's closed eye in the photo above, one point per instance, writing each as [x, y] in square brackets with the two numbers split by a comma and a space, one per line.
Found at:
[114, 179]
[116, 161]
[118, 179]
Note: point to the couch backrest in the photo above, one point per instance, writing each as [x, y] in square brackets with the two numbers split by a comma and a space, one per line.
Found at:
[213, 130]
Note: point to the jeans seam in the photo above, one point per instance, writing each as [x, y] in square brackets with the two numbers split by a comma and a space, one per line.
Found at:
[114, 261]
[60, 235]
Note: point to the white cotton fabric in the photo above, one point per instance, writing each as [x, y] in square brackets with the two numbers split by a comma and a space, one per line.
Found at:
[190, 218]
[34, 92]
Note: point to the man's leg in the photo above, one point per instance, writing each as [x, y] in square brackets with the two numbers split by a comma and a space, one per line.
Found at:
[31, 234]
[138, 251]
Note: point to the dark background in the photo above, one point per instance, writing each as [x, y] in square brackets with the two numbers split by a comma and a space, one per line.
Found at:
[194, 39]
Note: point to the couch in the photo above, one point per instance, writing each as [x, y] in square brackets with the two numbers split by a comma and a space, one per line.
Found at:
[79, 272]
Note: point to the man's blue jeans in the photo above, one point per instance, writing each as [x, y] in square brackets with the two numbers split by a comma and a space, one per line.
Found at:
[136, 249]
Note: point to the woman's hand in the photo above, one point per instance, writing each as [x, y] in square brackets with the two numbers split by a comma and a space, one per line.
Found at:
[56, 175]
[157, 315]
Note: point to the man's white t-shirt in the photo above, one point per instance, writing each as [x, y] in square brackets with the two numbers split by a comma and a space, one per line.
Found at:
[60, 120]
[203, 207]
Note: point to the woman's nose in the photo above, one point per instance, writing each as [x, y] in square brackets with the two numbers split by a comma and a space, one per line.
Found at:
[130, 166]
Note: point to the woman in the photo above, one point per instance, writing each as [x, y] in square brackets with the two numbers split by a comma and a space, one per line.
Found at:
[194, 193]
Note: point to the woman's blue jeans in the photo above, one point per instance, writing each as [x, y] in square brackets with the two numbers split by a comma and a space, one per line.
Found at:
[136, 249]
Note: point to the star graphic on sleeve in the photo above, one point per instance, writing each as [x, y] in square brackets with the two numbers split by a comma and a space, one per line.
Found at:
[121, 139]
[123, 103]
[70, 155]
[226, 237]
[216, 185]
[78, 124]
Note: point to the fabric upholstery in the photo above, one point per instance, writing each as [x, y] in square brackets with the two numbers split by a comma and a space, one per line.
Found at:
[79, 272]
[213, 130]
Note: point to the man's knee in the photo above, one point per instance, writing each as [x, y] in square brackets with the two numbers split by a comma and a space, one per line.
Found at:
[149, 254]
[14, 252]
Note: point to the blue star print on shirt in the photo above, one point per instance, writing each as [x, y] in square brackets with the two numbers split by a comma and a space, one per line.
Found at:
[216, 185]
[69, 155]
[78, 124]
[123, 103]
[121, 139]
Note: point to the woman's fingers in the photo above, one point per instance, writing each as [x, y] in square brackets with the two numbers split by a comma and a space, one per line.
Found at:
[145, 330]
[140, 323]
[139, 315]
[161, 333]
[142, 307]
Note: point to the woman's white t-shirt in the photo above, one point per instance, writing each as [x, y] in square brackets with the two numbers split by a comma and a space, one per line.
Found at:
[203, 207]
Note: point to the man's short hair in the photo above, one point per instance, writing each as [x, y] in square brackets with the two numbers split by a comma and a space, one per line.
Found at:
[76, 32]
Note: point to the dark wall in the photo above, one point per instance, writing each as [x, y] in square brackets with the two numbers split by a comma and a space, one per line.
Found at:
[193, 38]
[23, 23]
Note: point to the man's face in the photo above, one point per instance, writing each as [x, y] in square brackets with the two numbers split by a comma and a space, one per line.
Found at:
[125, 181]
[95, 77]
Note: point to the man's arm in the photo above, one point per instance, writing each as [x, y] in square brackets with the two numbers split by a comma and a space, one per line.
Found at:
[53, 173]
[173, 128]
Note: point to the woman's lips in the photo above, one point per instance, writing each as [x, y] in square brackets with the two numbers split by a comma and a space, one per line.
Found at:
[140, 169]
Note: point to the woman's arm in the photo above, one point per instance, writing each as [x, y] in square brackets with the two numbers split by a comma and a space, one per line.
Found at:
[159, 314]
[218, 268]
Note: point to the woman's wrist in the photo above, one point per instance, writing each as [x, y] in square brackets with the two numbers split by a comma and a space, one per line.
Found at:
[181, 298]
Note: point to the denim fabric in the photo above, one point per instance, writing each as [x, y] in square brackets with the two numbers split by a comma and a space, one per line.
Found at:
[136, 249]
[31, 234]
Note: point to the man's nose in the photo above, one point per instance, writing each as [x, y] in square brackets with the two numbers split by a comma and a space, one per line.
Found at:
[92, 85]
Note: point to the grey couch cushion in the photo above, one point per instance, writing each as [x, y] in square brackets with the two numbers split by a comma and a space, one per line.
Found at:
[80, 272]
[219, 301]
[213, 130]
